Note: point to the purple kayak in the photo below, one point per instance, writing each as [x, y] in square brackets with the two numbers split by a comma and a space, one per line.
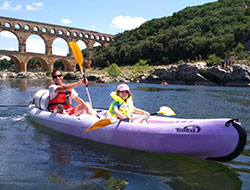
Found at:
[216, 139]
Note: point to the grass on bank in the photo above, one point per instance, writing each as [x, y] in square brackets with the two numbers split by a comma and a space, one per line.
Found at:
[126, 72]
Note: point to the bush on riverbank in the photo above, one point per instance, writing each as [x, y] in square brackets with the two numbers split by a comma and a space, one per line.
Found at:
[114, 70]
[214, 60]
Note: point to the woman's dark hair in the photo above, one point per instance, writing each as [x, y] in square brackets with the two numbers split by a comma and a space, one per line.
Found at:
[52, 74]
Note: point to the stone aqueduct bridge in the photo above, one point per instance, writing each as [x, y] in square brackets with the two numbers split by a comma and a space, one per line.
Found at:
[22, 29]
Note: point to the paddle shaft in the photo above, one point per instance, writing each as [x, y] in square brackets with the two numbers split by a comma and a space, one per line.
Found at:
[79, 59]
[104, 122]
[154, 113]
[87, 89]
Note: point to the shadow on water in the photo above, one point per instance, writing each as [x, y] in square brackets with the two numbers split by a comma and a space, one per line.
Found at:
[134, 169]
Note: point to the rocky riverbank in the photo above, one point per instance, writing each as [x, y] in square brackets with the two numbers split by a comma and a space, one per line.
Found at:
[186, 74]
[201, 74]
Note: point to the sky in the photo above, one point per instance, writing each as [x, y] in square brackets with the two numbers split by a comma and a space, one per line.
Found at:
[109, 16]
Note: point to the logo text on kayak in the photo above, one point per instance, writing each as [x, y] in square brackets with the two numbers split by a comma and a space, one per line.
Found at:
[189, 129]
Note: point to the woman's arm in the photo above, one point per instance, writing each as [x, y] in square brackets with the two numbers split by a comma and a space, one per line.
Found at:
[71, 86]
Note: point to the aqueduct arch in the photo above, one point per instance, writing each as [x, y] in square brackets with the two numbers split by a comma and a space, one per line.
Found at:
[22, 29]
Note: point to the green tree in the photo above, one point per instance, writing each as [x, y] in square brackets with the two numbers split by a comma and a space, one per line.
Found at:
[34, 65]
[212, 28]
[114, 70]
[7, 65]
[214, 60]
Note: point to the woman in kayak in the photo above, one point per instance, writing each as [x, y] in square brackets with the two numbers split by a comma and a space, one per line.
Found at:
[61, 96]
[123, 107]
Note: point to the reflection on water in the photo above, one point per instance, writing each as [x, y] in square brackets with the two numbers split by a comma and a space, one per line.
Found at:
[103, 162]
[62, 155]
[100, 173]
[24, 84]
[70, 163]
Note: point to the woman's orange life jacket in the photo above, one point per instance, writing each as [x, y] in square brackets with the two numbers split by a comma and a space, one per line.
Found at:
[64, 98]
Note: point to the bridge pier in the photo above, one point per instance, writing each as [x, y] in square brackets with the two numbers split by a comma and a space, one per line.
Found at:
[21, 67]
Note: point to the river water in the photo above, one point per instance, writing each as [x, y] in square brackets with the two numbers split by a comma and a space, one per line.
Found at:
[33, 157]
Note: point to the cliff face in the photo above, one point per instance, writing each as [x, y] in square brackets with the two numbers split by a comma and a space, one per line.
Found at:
[199, 73]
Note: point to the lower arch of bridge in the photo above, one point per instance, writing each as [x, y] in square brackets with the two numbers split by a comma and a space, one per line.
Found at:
[15, 60]
[68, 66]
[42, 62]
[47, 63]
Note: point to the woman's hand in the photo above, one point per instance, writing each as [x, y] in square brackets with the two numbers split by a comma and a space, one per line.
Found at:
[84, 81]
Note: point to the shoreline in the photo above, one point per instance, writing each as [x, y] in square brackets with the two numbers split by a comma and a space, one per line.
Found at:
[183, 74]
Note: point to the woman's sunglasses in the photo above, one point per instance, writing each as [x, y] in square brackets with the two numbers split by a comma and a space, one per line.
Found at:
[55, 76]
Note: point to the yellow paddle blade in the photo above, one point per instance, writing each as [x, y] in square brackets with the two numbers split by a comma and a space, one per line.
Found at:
[77, 54]
[97, 125]
[166, 111]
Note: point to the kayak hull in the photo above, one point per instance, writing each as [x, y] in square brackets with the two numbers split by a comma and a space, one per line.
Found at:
[217, 139]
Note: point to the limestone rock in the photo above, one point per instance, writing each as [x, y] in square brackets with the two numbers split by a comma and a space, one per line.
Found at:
[199, 73]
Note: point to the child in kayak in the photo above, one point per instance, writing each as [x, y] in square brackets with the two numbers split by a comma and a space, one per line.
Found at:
[123, 107]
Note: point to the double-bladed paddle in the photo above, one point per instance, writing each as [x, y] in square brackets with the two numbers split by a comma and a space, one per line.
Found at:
[99, 124]
[164, 110]
[79, 59]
